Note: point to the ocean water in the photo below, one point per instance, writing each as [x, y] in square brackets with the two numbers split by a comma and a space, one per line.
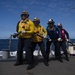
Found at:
[4, 44]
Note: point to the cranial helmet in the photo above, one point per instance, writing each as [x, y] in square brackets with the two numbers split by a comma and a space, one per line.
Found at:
[59, 25]
[36, 20]
[25, 13]
[50, 21]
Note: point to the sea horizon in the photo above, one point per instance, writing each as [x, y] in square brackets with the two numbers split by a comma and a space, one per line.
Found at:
[6, 43]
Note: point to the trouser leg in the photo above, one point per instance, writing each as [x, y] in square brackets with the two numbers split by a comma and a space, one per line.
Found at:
[28, 46]
[47, 50]
[57, 50]
[33, 49]
[42, 48]
[64, 49]
[20, 50]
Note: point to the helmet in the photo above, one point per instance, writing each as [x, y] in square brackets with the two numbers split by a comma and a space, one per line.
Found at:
[25, 13]
[59, 24]
[50, 21]
[36, 20]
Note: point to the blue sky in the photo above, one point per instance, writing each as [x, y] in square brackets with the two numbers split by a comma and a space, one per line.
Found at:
[61, 11]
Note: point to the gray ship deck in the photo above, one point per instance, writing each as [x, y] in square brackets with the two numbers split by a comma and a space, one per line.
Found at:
[55, 67]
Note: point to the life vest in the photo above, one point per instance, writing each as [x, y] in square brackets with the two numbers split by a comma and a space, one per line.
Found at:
[53, 34]
[28, 26]
[62, 34]
[40, 30]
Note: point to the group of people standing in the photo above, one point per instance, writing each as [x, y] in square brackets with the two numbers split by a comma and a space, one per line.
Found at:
[32, 33]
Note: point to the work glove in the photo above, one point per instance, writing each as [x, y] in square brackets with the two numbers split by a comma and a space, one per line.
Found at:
[23, 31]
[67, 39]
[44, 36]
[50, 39]
[59, 39]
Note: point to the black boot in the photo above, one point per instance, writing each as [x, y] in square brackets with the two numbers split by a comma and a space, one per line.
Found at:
[67, 58]
[60, 59]
[18, 63]
[46, 63]
[30, 66]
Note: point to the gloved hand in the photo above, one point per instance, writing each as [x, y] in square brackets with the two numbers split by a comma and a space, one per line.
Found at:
[67, 39]
[59, 39]
[50, 40]
[44, 36]
[23, 31]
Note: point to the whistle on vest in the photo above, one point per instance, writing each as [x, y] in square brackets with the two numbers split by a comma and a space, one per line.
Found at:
[23, 27]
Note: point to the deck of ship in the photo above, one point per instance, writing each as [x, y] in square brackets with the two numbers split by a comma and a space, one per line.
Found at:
[55, 67]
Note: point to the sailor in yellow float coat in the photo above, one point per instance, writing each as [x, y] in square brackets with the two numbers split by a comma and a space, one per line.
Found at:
[39, 31]
[26, 27]
[39, 34]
